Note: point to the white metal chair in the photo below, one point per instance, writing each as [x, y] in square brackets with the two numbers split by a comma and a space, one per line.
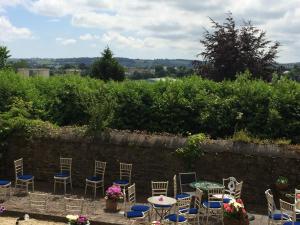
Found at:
[22, 180]
[230, 185]
[185, 179]
[214, 205]
[137, 211]
[125, 175]
[38, 201]
[65, 175]
[182, 208]
[160, 188]
[274, 215]
[96, 181]
[73, 206]
[195, 212]
[288, 212]
[5, 185]
[178, 195]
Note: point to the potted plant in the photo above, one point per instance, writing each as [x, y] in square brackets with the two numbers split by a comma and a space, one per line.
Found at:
[235, 213]
[112, 196]
[282, 183]
[77, 220]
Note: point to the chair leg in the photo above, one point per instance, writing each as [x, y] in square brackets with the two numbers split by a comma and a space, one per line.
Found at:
[32, 185]
[54, 186]
[65, 186]
[71, 183]
[85, 189]
[27, 184]
[95, 191]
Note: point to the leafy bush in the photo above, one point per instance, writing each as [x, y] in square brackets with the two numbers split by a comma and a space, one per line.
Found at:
[188, 105]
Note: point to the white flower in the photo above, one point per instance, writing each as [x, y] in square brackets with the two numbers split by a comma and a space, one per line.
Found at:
[72, 217]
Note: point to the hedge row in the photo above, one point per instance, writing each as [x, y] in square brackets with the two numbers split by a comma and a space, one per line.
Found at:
[188, 105]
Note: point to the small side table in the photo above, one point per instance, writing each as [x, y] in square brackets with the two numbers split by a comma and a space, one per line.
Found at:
[162, 201]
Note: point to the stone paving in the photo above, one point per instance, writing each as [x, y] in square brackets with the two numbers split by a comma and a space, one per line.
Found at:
[94, 209]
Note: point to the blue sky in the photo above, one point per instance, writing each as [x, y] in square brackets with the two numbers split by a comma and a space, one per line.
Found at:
[136, 28]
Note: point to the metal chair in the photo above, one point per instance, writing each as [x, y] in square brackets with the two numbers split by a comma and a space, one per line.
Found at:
[182, 208]
[195, 212]
[73, 206]
[96, 181]
[230, 185]
[185, 179]
[6, 186]
[178, 195]
[125, 175]
[65, 175]
[214, 205]
[38, 201]
[288, 213]
[22, 180]
[274, 215]
[160, 188]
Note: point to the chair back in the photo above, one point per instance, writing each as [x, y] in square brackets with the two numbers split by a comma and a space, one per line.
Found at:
[270, 202]
[100, 169]
[198, 198]
[159, 188]
[213, 195]
[287, 209]
[73, 206]
[183, 204]
[18, 167]
[66, 165]
[131, 195]
[38, 201]
[230, 185]
[185, 179]
[175, 185]
[125, 171]
[238, 190]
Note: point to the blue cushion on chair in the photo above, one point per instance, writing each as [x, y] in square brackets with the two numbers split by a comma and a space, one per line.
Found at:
[212, 205]
[134, 214]
[121, 182]
[226, 200]
[173, 218]
[182, 195]
[62, 174]
[4, 182]
[277, 216]
[162, 206]
[141, 208]
[94, 178]
[25, 177]
[193, 211]
[291, 223]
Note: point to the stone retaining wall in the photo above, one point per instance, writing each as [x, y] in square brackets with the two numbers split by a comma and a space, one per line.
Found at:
[154, 159]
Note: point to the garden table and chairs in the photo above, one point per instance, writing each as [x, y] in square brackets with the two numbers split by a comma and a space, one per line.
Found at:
[163, 202]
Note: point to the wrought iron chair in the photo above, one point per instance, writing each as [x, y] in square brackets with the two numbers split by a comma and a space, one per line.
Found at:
[22, 180]
[96, 181]
[125, 175]
[65, 175]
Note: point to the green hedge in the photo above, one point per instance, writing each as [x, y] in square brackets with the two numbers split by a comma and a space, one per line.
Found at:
[188, 105]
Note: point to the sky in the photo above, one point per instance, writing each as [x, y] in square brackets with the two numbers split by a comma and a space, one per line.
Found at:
[145, 29]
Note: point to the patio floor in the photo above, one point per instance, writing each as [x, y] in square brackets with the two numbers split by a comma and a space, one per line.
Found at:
[94, 209]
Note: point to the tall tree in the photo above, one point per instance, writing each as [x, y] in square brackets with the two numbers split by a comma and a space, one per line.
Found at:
[229, 50]
[4, 55]
[107, 67]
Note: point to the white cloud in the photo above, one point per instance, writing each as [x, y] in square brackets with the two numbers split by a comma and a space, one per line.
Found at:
[88, 37]
[9, 32]
[66, 41]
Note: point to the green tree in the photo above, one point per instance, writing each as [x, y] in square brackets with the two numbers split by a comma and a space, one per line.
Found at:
[4, 55]
[229, 50]
[107, 67]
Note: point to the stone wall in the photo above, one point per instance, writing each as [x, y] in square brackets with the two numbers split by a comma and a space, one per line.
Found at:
[154, 159]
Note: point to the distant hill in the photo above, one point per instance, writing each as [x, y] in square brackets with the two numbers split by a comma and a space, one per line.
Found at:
[138, 63]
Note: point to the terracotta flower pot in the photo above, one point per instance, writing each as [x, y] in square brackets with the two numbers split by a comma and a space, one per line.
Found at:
[281, 187]
[111, 205]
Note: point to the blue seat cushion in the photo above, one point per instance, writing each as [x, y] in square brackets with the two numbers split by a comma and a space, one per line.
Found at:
[94, 178]
[182, 195]
[175, 218]
[134, 214]
[162, 206]
[62, 174]
[212, 205]
[4, 182]
[121, 182]
[193, 211]
[141, 208]
[226, 200]
[291, 223]
[25, 177]
[278, 216]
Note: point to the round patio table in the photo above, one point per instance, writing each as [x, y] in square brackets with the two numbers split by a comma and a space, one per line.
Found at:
[205, 185]
[162, 201]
